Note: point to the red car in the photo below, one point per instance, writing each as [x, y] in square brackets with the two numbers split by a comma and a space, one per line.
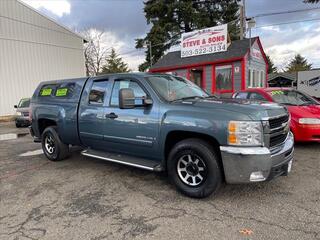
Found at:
[304, 110]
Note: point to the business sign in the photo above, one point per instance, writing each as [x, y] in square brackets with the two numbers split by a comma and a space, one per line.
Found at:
[255, 53]
[312, 82]
[309, 82]
[204, 41]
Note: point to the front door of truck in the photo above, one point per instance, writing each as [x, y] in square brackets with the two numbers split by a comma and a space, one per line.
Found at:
[132, 131]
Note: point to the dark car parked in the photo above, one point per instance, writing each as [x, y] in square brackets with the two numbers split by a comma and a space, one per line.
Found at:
[23, 110]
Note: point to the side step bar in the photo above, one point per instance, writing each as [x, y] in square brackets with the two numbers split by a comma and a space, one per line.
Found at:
[124, 159]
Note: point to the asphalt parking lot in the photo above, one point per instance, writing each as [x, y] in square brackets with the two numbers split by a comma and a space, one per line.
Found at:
[84, 198]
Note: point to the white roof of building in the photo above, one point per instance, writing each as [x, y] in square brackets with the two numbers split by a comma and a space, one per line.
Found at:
[52, 20]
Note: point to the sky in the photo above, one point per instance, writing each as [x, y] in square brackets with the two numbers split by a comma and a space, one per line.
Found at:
[124, 21]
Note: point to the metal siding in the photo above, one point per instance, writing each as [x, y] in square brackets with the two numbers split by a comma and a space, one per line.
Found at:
[254, 63]
[31, 54]
[208, 74]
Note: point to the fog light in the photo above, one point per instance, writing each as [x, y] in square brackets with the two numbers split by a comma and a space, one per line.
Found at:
[257, 177]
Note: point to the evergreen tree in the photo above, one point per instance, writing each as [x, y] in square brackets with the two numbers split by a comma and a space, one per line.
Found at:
[298, 63]
[170, 18]
[114, 64]
[271, 67]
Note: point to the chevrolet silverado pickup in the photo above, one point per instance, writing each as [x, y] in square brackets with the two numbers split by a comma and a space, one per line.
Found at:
[161, 122]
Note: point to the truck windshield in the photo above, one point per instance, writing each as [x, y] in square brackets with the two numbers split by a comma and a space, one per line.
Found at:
[173, 88]
[292, 97]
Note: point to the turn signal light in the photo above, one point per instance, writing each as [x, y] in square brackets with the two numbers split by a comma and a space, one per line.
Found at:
[232, 127]
[232, 138]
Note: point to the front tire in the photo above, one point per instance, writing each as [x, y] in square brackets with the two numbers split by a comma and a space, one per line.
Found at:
[54, 149]
[193, 168]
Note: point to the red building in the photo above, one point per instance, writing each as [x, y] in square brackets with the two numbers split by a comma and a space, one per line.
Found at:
[221, 73]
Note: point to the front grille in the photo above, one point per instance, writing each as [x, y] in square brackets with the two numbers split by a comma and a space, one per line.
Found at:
[277, 122]
[25, 114]
[278, 139]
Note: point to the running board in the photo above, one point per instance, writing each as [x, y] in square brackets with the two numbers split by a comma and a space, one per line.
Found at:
[142, 163]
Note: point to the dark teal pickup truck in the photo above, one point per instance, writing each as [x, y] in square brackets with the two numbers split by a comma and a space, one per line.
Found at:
[164, 123]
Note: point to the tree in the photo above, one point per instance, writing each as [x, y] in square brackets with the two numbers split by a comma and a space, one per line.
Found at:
[170, 18]
[298, 63]
[114, 64]
[271, 67]
[94, 52]
[311, 1]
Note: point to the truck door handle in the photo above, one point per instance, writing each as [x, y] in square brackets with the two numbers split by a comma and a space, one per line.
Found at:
[111, 115]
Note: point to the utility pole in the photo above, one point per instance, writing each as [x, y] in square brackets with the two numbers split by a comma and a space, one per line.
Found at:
[150, 52]
[242, 18]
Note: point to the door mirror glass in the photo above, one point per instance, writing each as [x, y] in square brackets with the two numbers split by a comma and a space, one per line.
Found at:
[15, 106]
[147, 101]
[126, 98]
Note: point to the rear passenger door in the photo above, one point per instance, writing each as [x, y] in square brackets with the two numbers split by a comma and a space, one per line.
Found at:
[92, 113]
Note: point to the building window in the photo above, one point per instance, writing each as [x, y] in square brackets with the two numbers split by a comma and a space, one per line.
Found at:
[224, 78]
[263, 79]
[250, 83]
[256, 78]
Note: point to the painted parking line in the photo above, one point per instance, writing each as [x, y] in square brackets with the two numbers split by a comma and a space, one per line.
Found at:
[31, 153]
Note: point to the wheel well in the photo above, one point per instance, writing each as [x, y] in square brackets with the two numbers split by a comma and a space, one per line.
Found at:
[44, 123]
[176, 136]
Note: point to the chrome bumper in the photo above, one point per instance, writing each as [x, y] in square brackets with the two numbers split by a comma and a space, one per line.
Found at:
[240, 163]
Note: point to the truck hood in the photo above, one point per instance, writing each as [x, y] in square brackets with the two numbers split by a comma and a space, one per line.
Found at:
[256, 110]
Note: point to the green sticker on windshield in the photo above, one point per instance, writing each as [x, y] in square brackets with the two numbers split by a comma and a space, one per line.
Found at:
[276, 92]
[46, 92]
[61, 92]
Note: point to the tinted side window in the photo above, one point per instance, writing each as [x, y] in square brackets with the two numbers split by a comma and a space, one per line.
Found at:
[47, 90]
[256, 96]
[65, 90]
[98, 92]
[139, 94]
[241, 95]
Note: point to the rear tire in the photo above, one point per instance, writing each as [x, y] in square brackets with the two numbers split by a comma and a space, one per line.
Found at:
[193, 168]
[54, 149]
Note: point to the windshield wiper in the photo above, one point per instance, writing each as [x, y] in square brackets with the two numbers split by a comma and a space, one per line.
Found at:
[211, 96]
[306, 104]
[186, 98]
[290, 104]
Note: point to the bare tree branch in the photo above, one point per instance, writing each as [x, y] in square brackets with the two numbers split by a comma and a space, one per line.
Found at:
[95, 52]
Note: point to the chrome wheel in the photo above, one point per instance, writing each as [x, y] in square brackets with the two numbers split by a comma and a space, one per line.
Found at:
[49, 144]
[191, 169]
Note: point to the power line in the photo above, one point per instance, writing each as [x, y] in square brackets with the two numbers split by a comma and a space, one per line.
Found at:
[284, 23]
[286, 12]
[132, 51]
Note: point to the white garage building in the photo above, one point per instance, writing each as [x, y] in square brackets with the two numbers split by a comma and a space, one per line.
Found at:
[33, 48]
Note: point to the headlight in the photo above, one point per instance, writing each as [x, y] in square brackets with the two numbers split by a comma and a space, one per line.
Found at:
[309, 120]
[245, 133]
